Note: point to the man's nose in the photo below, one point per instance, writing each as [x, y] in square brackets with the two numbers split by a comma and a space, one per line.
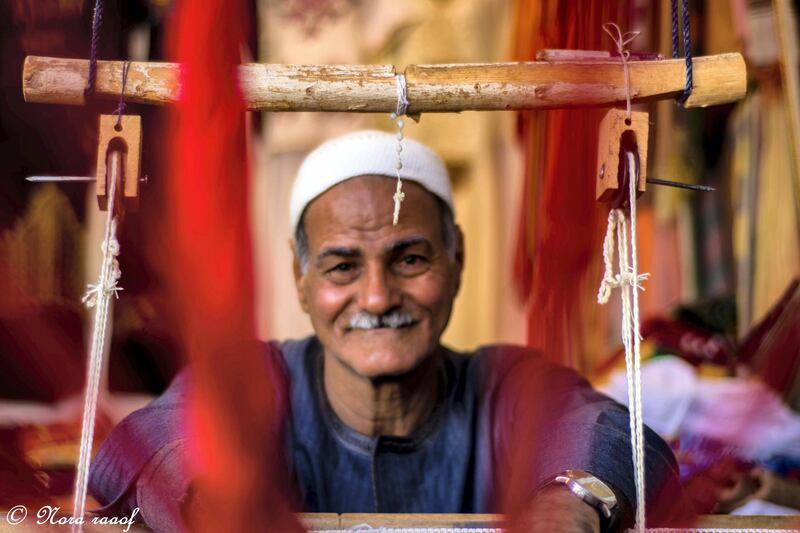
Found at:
[376, 294]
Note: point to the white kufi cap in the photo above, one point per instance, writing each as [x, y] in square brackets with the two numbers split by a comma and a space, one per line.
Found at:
[369, 152]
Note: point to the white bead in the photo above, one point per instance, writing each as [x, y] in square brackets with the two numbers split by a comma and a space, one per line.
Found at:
[399, 135]
[393, 116]
[400, 123]
[399, 165]
[399, 148]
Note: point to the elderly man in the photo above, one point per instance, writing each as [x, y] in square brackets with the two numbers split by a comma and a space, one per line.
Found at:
[383, 418]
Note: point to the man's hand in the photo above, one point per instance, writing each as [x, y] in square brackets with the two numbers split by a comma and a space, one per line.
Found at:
[555, 509]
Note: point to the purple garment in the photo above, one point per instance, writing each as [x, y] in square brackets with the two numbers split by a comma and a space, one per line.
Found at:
[448, 465]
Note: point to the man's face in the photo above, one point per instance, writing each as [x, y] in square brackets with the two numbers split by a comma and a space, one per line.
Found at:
[359, 263]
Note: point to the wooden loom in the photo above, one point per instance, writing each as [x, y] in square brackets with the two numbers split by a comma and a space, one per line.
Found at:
[563, 82]
[430, 88]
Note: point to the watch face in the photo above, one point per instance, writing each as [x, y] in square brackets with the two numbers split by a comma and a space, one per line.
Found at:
[597, 488]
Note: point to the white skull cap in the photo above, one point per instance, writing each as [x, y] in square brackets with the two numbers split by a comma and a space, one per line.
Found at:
[368, 152]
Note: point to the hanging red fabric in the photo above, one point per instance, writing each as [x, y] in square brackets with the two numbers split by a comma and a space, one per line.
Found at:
[237, 401]
[560, 221]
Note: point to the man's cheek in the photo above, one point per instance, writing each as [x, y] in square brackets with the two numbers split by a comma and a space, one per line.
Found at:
[330, 301]
[430, 291]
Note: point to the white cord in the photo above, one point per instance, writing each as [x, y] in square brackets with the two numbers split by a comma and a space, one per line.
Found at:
[98, 296]
[628, 280]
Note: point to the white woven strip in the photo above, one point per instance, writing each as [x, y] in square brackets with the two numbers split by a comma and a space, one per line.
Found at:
[413, 530]
[716, 530]
[500, 530]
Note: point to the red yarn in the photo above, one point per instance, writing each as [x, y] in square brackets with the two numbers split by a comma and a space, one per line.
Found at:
[237, 401]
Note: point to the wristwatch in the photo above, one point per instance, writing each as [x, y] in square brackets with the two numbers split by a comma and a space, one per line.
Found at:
[592, 491]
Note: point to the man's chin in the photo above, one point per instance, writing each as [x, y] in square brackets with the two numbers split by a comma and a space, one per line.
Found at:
[380, 353]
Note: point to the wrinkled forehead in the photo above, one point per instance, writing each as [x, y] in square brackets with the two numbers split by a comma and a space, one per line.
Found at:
[364, 206]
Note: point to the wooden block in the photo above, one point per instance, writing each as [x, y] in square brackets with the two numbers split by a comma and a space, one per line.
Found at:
[612, 128]
[127, 141]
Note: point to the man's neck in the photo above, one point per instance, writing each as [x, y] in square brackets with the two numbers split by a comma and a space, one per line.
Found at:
[393, 407]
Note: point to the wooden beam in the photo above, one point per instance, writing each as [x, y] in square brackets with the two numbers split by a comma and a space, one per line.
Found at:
[431, 88]
[787, 39]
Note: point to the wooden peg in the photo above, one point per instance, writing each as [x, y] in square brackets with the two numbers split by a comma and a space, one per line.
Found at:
[612, 128]
[113, 145]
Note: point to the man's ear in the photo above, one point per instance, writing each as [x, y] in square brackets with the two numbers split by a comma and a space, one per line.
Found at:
[299, 278]
[459, 256]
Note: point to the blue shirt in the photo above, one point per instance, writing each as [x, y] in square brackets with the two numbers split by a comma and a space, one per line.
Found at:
[496, 402]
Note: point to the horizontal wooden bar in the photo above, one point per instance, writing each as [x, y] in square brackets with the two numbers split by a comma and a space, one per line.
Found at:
[718, 79]
[321, 521]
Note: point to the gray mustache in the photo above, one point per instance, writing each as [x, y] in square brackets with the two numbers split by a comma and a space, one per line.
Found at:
[393, 319]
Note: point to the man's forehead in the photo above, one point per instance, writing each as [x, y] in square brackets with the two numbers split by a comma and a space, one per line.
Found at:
[370, 196]
[364, 205]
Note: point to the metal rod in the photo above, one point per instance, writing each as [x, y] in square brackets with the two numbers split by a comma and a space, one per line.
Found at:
[59, 178]
[679, 185]
[76, 179]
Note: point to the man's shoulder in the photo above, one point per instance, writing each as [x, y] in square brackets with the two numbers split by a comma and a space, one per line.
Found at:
[507, 364]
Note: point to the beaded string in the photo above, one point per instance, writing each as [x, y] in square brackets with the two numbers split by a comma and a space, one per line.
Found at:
[402, 107]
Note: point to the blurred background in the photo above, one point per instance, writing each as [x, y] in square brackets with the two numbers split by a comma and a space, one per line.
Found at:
[721, 311]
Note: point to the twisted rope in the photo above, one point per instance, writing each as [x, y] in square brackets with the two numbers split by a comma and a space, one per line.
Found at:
[97, 21]
[687, 44]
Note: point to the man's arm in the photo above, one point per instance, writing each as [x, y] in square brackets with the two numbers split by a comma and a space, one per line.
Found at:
[548, 419]
[555, 509]
[141, 463]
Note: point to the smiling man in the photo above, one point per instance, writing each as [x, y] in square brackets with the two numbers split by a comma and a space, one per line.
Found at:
[383, 417]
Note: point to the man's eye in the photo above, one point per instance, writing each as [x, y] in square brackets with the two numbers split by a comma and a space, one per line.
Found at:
[412, 264]
[342, 272]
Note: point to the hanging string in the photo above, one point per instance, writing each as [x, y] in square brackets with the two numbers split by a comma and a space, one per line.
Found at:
[687, 44]
[97, 21]
[622, 41]
[121, 105]
[629, 281]
[402, 107]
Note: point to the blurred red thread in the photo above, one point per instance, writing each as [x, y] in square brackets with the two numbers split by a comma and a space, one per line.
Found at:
[560, 223]
[237, 405]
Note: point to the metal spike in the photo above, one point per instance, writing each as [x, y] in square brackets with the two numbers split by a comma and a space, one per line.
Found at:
[679, 185]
